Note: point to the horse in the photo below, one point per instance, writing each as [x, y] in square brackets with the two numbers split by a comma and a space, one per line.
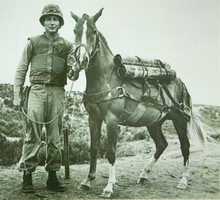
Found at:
[117, 101]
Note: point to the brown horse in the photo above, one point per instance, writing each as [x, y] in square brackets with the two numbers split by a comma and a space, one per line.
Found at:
[118, 101]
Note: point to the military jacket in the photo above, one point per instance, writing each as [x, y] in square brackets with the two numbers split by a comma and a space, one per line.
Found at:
[49, 60]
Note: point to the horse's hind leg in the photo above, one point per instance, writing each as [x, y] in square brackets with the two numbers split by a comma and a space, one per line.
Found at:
[181, 127]
[160, 143]
[95, 133]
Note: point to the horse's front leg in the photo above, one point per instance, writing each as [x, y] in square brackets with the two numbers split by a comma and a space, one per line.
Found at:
[112, 136]
[95, 133]
[108, 190]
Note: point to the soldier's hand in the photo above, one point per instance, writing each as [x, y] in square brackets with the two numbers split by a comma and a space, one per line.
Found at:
[17, 102]
[73, 74]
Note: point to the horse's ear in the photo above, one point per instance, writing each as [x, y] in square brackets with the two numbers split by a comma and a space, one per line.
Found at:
[74, 16]
[97, 15]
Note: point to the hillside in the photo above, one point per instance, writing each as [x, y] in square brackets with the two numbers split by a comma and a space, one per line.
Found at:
[75, 120]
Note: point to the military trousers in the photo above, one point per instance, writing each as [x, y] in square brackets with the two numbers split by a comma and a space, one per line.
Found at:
[45, 108]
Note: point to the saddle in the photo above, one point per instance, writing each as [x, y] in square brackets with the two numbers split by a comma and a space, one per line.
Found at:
[145, 75]
[149, 80]
[138, 68]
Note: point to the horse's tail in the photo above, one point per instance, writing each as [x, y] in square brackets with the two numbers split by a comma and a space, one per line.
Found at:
[196, 131]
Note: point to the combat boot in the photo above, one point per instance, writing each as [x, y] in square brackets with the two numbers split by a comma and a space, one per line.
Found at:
[27, 185]
[53, 182]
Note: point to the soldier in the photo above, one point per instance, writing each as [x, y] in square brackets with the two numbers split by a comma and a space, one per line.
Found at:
[51, 60]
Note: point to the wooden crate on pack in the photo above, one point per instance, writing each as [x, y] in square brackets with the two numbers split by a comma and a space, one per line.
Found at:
[134, 67]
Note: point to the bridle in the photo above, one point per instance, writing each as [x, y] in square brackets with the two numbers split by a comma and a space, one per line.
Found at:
[87, 51]
[90, 56]
[96, 46]
[115, 92]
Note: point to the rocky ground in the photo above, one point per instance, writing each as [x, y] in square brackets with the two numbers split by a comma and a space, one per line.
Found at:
[204, 180]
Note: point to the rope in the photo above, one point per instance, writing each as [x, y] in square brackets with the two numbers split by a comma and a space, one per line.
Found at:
[71, 88]
[45, 123]
[42, 123]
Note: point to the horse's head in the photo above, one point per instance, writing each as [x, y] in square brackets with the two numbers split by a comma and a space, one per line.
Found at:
[86, 38]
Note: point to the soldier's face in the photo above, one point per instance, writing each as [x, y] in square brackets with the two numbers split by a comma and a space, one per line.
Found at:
[51, 24]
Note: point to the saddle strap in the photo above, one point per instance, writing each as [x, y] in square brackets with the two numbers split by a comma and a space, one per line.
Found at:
[136, 114]
[114, 93]
[164, 86]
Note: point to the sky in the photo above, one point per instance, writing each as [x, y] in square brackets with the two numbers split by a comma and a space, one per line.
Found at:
[182, 33]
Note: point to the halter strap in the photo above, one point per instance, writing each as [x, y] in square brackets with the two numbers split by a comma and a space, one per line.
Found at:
[93, 53]
[96, 46]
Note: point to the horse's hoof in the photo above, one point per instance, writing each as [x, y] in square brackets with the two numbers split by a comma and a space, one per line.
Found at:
[181, 186]
[142, 181]
[106, 195]
[84, 187]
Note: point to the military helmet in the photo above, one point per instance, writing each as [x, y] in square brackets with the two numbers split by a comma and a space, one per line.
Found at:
[51, 9]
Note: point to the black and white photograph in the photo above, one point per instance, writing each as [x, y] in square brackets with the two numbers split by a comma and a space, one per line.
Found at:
[109, 99]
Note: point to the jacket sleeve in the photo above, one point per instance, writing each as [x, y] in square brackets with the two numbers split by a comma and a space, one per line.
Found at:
[22, 68]
[70, 55]
[72, 68]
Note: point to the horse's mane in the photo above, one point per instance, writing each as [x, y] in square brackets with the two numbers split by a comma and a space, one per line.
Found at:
[104, 41]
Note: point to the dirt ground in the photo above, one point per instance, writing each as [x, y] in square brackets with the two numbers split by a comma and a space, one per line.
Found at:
[204, 181]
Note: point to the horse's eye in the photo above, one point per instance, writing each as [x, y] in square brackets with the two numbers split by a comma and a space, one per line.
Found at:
[94, 31]
[74, 30]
